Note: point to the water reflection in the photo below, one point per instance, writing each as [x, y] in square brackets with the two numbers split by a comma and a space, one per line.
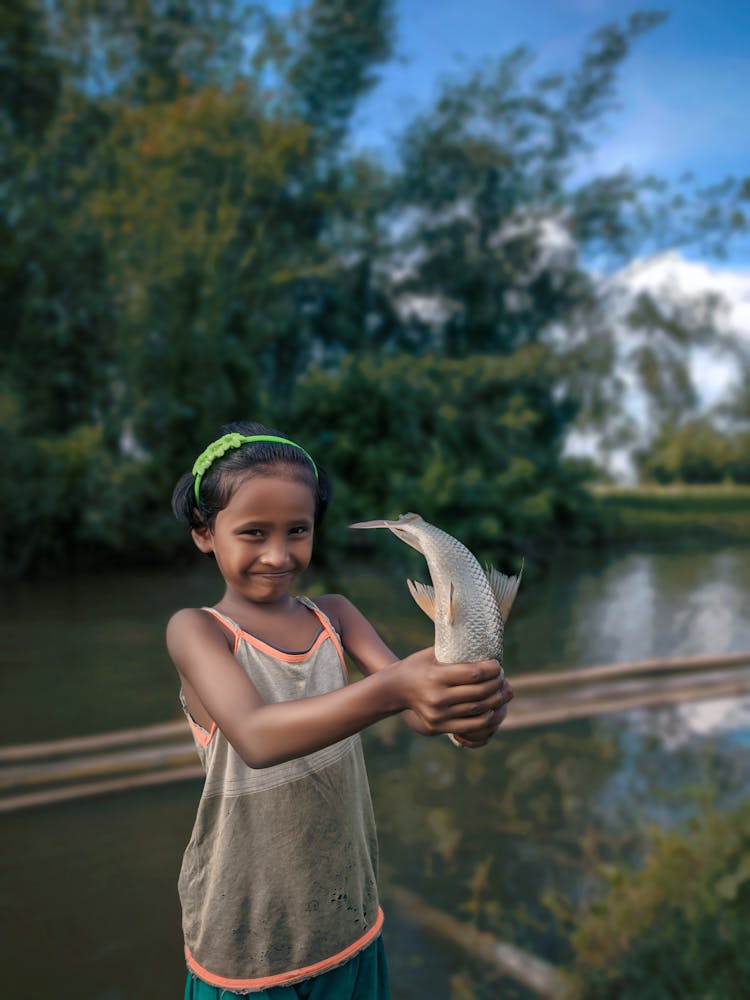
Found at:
[488, 836]
[636, 606]
[616, 611]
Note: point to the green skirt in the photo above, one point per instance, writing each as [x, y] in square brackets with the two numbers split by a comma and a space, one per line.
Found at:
[364, 977]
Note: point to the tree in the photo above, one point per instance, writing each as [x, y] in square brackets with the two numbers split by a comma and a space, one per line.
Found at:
[490, 470]
[168, 221]
[333, 62]
[191, 239]
[497, 239]
[695, 451]
[497, 232]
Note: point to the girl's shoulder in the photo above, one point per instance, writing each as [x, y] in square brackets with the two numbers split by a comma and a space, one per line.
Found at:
[338, 609]
[358, 637]
[189, 623]
[190, 618]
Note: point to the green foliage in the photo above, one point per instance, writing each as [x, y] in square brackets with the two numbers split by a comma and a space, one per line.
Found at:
[29, 73]
[497, 226]
[696, 452]
[143, 51]
[678, 926]
[73, 503]
[333, 63]
[397, 434]
[675, 513]
[189, 240]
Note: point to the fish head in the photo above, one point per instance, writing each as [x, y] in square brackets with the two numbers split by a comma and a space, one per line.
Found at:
[407, 527]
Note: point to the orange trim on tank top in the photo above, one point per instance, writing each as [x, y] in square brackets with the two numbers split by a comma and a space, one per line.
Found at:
[202, 735]
[288, 977]
[279, 654]
[330, 631]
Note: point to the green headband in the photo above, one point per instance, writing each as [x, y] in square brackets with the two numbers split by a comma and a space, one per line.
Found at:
[228, 443]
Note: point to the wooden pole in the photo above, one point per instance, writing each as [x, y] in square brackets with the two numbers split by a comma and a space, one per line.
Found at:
[606, 699]
[521, 682]
[581, 675]
[52, 796]
[507, 959]
[151, 755]
[98, 741]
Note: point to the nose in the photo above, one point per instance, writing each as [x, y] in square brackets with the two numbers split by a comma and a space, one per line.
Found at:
[276, 551]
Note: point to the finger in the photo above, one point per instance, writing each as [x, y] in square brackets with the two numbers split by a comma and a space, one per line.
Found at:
[475, 740]
[470, 744]
[457, 674]
[500, 715]
[468, 726]
[508, 694]
[497, 718]
[470, 694]
[494, 721]
[475, 706]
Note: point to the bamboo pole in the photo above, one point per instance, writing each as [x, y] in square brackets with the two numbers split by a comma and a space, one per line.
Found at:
[521, 682]
[507, 959]
[52, 796]
[39, 764]
[97, 765]
[545, 711]
[547, 678]
[98, 741]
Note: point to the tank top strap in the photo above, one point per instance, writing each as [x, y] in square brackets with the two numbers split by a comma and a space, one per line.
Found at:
[329, 630]
[234, 629]
[231, 626]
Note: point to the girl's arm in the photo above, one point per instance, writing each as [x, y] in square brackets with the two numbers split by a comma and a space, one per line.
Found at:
[371, 654]
[358, 637]
[448, 698]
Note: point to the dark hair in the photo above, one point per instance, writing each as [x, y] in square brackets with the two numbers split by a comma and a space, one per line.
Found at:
[255, 458]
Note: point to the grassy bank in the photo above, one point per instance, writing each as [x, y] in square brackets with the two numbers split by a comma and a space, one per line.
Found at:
[675, 513]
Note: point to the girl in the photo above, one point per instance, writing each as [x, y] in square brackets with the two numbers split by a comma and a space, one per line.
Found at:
[277, 884]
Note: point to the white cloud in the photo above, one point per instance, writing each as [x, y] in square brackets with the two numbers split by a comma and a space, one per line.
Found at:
[671, 278]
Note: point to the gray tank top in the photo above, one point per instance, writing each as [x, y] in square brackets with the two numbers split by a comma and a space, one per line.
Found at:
[278, 881]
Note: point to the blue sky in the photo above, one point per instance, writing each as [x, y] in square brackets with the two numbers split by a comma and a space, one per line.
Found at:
[684, 90]
[684, 96]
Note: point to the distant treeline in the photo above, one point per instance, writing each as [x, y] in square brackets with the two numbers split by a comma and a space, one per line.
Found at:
[189, 238]
[696, 452]
[676, 513]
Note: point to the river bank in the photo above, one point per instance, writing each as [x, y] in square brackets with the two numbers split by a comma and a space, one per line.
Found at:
[676, 513]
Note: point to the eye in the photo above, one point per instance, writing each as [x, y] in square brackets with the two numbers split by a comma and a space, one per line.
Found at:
[300, 529]
[253, 532]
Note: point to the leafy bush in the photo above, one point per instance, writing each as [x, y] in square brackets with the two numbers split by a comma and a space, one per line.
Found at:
[676, 928]
[472, 444]
[71, 501]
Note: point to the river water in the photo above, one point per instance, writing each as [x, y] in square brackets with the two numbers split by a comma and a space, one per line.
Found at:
[89, 888]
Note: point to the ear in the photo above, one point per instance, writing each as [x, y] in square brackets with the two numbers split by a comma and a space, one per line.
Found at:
[203, 539]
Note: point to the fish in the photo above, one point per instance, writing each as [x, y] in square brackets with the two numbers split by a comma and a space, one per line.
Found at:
[468, 604]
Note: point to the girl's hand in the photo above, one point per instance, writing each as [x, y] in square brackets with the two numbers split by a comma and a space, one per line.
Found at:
[482, 738]
[458, 698]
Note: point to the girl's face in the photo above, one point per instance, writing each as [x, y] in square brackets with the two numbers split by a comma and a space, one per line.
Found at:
[263, 538]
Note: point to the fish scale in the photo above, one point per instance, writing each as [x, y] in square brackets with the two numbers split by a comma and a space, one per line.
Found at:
[468, 604]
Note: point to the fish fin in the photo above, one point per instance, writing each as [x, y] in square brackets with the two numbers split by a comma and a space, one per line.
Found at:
[451, 608]
[504, 588]
[424, 596]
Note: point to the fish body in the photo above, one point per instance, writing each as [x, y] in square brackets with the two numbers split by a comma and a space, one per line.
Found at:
[468, 604]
